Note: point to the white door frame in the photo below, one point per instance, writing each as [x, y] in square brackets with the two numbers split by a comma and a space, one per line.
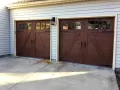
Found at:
[94, 16]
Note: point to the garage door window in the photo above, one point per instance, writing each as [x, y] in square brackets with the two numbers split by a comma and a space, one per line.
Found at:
[78, 25]
[47, 26]
[71, 26]
[101, 25]
[42, 26]
[65, 27]
[29, 26]
[37, 26]
[24, 26]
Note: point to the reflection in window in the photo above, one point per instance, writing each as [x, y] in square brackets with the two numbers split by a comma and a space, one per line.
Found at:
[99, 24]
[65, 27]
[47, 25]
[20, 26]
[29, 26]
[25, 26]
[78, 25]
[43, 26]
[71, 25]
[37, 26]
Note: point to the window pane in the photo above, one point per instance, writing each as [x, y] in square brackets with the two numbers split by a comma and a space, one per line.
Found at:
[78, 25]
[25, 26]
[65, 26]
[29, 26]
[99, 24]
[37, 26]
[43, 26]
[20, 26]
[47, 25]
[72, 25]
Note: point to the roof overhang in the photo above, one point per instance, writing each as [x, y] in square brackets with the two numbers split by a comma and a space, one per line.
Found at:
[42, 3]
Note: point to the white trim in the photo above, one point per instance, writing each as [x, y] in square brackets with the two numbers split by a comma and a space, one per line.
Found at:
[115, 41]
[50, 42]
[94, 16]
[57, 42]
[31, 20]
[15, 37]
[41, 3]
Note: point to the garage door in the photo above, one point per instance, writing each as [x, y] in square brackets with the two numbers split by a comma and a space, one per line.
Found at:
[87, 41]
[33, 39]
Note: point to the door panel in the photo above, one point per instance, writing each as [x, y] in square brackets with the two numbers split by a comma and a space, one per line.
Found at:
[100, 49]
[71, 47]
[43, 45]
[42, 31]
[33, 39]
[100, 42]
[24, 36]
[92, 44]
[24, 48]
[71, 40]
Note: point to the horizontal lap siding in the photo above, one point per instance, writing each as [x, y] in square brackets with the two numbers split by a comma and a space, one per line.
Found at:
[82, 9]
[4, 31]
[53, 40]
[118, 43]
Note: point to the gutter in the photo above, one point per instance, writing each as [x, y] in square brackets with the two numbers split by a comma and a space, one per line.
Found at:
[41, 3]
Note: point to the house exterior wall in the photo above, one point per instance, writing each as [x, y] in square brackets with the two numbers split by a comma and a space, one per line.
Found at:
[4, 31]
[72, 10]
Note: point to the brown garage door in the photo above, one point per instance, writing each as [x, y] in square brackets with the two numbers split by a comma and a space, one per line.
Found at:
[33, 38]
[87, 41]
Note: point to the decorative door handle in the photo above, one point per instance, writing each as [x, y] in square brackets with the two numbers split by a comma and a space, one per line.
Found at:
[85, 44]
[81, 44]
[31, 41]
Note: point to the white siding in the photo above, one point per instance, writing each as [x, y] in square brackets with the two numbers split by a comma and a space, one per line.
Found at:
[74, 10]
[4, 31]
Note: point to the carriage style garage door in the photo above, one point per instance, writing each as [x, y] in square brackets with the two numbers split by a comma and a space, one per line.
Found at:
[33, 39]
[87, 41]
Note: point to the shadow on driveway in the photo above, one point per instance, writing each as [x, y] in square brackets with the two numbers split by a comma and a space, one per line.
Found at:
[26, 74]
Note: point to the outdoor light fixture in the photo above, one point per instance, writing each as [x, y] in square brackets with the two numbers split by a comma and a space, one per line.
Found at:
[53, 20]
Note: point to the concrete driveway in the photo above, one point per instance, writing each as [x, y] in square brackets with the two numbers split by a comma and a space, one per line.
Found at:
[26, 74]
